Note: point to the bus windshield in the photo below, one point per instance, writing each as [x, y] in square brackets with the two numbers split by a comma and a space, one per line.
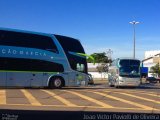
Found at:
[71, 47]
[129, 68]
[129, 63]
[129, 71]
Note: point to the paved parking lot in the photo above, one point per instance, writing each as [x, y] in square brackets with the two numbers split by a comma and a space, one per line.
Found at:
[92, 98]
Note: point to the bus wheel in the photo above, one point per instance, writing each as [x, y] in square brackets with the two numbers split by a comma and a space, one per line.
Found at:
[116, 86]
[110, 84]
[56, 82]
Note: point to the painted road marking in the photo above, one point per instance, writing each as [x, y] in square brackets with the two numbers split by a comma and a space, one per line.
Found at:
[139, 91]
[125, 101]
[142, 98]
[129, 91]
[144, 93]
[2, 97]
[31, 98]
[134, 91]
[64, 101]
[119, 90]
[67, 103]
[90, 99]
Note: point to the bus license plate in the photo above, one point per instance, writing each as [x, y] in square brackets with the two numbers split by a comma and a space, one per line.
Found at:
[130, 83]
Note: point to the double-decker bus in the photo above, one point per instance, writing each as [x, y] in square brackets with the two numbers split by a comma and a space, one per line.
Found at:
[124, 72]
[32, 59]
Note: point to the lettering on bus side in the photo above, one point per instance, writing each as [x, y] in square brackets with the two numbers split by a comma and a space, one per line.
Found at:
[21, 52]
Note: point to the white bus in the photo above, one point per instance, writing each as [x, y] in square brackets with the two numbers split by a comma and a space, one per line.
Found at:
[31, 59]
[124, 72]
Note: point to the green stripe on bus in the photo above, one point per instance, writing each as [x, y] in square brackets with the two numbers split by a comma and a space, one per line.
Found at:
[89, 56]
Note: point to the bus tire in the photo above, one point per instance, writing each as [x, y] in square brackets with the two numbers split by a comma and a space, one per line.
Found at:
[110, 84]
[116, 85]
[56, 82]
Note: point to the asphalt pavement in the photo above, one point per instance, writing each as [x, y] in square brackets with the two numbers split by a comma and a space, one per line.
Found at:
[91, 99]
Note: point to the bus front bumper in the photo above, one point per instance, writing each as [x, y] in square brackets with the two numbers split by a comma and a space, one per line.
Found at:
[129, 84]
[128, 81]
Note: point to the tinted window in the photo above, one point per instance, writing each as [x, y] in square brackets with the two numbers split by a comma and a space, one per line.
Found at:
[124, 62]
[70, 44]
[19, 64]
[129, 63]
[75, 61]
[129, 71]
[11, 38]
[73, 45]
[135, 62]
[129, 68]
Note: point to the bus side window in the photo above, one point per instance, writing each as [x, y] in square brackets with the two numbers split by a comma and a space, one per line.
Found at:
[80, 67]
[28, 40]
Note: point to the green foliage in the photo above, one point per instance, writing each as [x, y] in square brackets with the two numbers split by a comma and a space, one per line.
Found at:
[102, 68]
[156, 69]
[99, 58]
[89, 57]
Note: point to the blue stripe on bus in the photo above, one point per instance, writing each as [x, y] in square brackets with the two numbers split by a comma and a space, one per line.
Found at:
[22, 52]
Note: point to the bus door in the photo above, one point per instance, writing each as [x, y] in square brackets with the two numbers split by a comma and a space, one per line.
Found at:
[81, 78]
[3, 79]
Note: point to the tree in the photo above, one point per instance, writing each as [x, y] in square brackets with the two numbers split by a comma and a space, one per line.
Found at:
[103, 59]
[102, 68]
[156, 69]
[99, 58]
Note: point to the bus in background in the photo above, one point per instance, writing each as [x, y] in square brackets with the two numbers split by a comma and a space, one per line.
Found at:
[31, 59]
[124, 72]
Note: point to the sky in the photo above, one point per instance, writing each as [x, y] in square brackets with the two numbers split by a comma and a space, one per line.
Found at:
[99, 24]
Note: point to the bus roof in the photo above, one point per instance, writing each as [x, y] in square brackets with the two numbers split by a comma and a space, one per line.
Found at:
[66, 37]
[33, 32]
[127, 58]
[24, 31]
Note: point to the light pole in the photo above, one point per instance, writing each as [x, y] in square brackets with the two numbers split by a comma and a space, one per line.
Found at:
[109, 53]
[134, 36]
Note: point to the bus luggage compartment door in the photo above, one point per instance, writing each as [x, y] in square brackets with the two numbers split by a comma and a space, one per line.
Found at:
[18, 79]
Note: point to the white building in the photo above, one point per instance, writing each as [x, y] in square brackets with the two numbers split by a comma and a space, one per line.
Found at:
[151, 53]
[151, 59]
